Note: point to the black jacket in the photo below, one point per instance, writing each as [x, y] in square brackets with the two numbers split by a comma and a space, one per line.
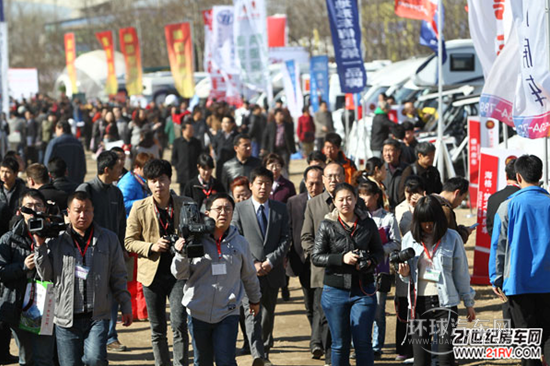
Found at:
[195, 190]
[494, 202]
[234, 168]
[257, 127]
[332, 242]
[13, 202]
[65, 185]
[15, 246]
[271, 138]
[430, 177]
[184, 158]
[381, 126]
[392, 183]
[54, 195]
[224, 149]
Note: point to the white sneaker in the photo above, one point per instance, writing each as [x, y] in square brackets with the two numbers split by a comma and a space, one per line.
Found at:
[409, 360]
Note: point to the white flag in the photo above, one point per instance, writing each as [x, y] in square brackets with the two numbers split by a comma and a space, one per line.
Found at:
[293, 89]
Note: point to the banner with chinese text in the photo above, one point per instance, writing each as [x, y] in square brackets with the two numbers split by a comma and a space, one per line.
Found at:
[180, 54]
[70, 56]
[346, 38]
[319, 81]
[416, 9]
[293, 88]
[129, 46]
[106, 41]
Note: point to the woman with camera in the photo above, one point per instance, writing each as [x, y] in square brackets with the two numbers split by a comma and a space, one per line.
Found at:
[438, 279]
[349, 246]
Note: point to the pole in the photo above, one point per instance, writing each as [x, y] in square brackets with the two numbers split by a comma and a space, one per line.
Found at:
[441, 145]
[505, 135]
[545, 165]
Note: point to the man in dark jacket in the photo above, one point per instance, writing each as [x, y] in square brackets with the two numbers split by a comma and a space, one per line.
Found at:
[16, 267]
[11, 187]
[381, 127]
[58, 172]
[242, 164]
[38, 178]
[498, 197]
[423, 167]
[453, 193]
[392, 156]
[279, 138]
[69, 148]
[185, 153]
[258, 122]
[223, 143]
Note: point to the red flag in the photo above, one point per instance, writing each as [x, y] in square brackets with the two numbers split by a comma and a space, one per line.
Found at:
[276, 31]
[416, 9]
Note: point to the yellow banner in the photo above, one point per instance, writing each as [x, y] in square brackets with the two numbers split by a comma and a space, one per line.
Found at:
[106, 40]
[129, 45]
[180, 54]
[70, 56]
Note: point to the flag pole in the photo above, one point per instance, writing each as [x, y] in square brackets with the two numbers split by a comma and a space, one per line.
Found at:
[545, 165]
[441, 147]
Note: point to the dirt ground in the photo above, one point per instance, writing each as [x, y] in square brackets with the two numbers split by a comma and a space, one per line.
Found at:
[292, 330]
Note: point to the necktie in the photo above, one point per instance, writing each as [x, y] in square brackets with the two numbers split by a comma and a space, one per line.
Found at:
[262, 219]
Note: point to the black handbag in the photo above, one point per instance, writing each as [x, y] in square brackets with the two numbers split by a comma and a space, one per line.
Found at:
[383, 282]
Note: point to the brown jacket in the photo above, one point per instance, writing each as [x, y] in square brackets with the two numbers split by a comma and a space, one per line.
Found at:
[142, 231]
[451, 218]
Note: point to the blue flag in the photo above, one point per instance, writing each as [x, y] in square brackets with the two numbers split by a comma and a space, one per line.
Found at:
[429, 32]
[319, 82]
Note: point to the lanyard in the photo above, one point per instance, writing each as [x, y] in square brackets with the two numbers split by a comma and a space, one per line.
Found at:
[346, 227]
[428, 253]
[170, 214]
[87, 244]
[219, 247]
[209, 192]
[32, 240]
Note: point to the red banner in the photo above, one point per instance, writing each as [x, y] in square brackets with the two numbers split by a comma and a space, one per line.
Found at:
[129, 45]
[474, 146]
[180, 54]
[416, 9]
[70, 57]
[106, 40]
[276, 31]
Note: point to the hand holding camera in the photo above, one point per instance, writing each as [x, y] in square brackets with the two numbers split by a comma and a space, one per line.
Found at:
[162, 245]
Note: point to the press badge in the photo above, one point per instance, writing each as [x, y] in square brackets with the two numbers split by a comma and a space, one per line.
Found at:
[82, 272]
[431, 274]
[218, 269]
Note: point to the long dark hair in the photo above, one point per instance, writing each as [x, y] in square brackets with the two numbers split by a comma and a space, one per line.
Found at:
[428, 209]
[372, 164]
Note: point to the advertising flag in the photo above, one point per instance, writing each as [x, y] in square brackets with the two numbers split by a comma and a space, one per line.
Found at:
[429, 34]
[180, 54]
[129, 45]
[276, 31]
[106, 41]
[207, 20]
[416, 9]
[293, 88]
[319, 82]
[70, 56]
[4, 63]
[343, 16]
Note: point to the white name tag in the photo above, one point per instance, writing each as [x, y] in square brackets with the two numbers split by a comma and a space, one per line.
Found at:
[218, 269]
[431, 274]
[82, 272]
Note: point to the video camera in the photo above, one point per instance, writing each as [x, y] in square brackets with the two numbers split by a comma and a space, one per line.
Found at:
[44, 224]
[403, 256]
[193, 225]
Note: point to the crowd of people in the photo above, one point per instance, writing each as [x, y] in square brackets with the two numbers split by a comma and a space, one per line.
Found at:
[123, 254]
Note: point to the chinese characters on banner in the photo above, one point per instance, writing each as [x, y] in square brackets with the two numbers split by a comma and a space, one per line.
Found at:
[293, 88]
[531, 108]
[251, 44]
[70, 56]
[106, 40]
[319, 82]
[129, 45]
[416, 9]
[180, 54]
[346, 38]
[492, 178]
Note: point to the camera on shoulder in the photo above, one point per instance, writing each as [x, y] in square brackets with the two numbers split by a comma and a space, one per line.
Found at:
[192, 227]
[45, 225]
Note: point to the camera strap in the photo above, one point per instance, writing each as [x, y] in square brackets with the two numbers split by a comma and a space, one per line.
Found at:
[170, 211]
[32, 240]
[219, 246]
[83, 253]
[430, 257]
[346, 227]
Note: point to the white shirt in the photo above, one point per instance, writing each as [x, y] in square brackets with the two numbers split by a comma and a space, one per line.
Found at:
[257, 206]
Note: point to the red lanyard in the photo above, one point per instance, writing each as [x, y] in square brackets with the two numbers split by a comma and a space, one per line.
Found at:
[428, 253]
[170, 214]
[346, 227]
[32, 241]
[209, 192]
[219, 247]
[87, 244]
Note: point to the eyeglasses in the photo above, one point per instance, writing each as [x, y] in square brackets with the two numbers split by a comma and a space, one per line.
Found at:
[226, 209]
[35, 206]
[333, 177]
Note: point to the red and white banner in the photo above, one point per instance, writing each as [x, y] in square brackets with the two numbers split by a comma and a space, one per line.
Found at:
[106, 41]
[416, 9]
[276, 31]
[482, 132]
[492, 177]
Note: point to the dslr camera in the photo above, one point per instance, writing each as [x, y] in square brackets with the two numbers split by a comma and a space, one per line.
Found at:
[45, 225]
[192, 227]
[403, 256]
[363, 261]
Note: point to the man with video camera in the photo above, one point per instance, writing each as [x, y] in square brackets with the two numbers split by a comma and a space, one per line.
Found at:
[151, 225]
[216, 283]
[16, 267]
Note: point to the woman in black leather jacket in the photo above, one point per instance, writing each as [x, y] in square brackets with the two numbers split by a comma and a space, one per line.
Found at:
[349, 246]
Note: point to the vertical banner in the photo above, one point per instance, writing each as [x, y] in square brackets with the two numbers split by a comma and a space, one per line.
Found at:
[70, 56]
[4, 63]
[531, 111]
[492, 177]
[319, 81]
[276, 31]
[430, 31]
[207, 20]
[129, 46]
[251, 44]
[106, 40]
[293, 88]
[416, 9]
[180, 54]
[346, 38]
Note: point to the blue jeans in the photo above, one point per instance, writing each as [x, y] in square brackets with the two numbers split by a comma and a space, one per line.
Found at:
[85, 343]
[34, 349]
[112, 335]
[379, 329]
[214, 341]
[350, 314]
[255, 149]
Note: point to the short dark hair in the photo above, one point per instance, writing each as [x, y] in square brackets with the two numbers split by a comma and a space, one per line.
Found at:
[529, 167]
[428, 209]
[64, 125]
[393, 142]
[11, 163]
[372, 164]
[107, 159]
[154, 168]
[424, 148]
[316, 155]
[260, 172]
[230, 117]
[414, 184]
[187, 122]
[118, 149]
[511, 170]
[205, 161]
[407, 126]
[57, 167]
[216, 196]
[456, 183]
[38, 173]
[239, 137]
[322, 102]
[344, 187]
[398, 132]
[334, 139]
[32, 193]
[310, 168]
[79, 196]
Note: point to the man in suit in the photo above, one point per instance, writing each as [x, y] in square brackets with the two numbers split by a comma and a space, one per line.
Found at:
[299, 264]
[264, 224]
[316, 209]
